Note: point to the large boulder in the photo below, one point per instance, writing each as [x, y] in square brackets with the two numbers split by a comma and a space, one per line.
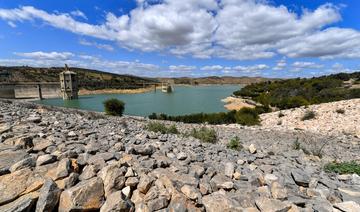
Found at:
[117, 202]
[87, 195]
[13, 185]
[218, 201]
[49, 196]
[24, 203]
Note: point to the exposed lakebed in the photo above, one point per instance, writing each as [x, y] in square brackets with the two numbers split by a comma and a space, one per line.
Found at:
[184, 100]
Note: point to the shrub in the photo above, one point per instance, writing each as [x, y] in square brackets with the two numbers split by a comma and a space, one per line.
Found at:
[247, 116]
[343, 168]
[114, 107]
[234, 144]
[160, 127]
[296, 144]
[281, 114]
[340, 111]
[204, 134]
[308, 115]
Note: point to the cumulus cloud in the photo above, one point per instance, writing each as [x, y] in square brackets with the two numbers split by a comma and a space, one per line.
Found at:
[97, 45]
[254, 68]
[212, 68]
[182, 68]
[46, 55]
[231, 29]
[307, 65]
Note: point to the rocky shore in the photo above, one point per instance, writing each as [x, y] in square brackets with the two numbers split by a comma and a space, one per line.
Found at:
[54, 159]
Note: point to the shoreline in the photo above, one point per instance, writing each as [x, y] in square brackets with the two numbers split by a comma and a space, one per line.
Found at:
[236, 103]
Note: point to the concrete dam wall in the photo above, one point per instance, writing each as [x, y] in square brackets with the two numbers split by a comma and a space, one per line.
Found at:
[30, 91]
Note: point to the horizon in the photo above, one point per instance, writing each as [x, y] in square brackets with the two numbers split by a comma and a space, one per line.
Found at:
[162, 38]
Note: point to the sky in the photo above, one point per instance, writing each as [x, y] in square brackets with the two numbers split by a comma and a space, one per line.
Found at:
[174, 38]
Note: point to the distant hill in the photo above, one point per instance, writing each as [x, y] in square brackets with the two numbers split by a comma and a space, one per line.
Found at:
[89, 79]
[217, 80]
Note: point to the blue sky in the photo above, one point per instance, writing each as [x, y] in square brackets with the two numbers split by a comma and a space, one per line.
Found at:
[273, 38]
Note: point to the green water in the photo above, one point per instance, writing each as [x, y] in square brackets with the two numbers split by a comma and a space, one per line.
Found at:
[184, 100]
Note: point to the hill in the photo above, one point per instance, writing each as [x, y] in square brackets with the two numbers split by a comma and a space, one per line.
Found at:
[217, 80]
[88, 79]
[298, 92]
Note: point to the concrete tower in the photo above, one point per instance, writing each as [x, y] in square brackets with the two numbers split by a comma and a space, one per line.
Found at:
[68, 84]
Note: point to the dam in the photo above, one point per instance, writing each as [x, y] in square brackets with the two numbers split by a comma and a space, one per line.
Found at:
[30, 90]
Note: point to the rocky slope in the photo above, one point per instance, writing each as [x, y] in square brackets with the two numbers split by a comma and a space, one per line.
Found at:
[67, 160]
[336, 118]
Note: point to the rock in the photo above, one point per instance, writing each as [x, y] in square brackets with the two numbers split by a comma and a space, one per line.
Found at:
[34, 119]
[71, 134]
[144, 150]
[132, 182]
[178, 203]
[113, 179]
[68, 182]
[24, 142]
[181, 156]
[126, 191]
[221, 182]
[49, 197]
[229, 169]
[190, 192]
[63, 169]
[144, 183]
[41, 144]
[270, 178]
[197, 170]
[45, 159]
[349, 206]
[240, 162]
[272, 205]
[158, 203]
[24, 163]
[13, 185]
[237, 175]
[252, 149]
[87, 195]
[217, 201]
[278, 191]
[23, 203]
[117, 202]
[88, 172]
[300, 178]
[8, 158]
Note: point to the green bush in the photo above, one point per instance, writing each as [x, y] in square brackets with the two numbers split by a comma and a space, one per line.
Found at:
[160, 127]
[309, 114]
[114, 107]
[204, 134]
[343, 168]
[247, 116]
[234, 144]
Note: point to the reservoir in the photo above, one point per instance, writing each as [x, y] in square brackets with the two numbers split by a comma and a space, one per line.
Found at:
[184, 100]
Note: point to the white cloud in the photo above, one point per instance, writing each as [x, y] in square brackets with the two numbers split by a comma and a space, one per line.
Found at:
[307, 65]
[280, 65]
[97, 45]
[231, 29]
[254, 68]
[212, 68]
[78, 13]
[46, 55]
[182, 68]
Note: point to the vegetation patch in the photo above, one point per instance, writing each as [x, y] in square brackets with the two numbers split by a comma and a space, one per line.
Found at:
[291, 93]
[343, 168]
[235, 144]
[160, 127]
[340, 111]
[245, 116]
[114, 107]
[204, 134]
[309, 114]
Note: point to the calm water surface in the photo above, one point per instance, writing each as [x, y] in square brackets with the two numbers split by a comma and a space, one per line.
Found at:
[184, 100]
